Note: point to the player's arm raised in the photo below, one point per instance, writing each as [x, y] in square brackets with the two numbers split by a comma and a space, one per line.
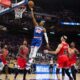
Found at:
[54, 52]
[33, 18]
[57, 50]
[46, 37]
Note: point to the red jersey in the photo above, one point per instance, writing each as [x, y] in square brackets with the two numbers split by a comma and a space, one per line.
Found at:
[21, 61]
[24, 51]
[73, 57]
[64, 49]
[63, 59]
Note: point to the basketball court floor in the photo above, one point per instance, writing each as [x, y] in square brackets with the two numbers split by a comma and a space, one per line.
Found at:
[35, 77]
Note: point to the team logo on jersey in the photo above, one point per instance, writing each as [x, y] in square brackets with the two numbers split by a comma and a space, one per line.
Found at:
[38, 30]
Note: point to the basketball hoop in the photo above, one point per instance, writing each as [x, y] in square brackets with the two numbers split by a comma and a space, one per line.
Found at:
[19, 12]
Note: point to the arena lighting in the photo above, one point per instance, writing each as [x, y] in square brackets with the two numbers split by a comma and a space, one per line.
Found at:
[25, 28]
[52, 32]
[78, 34]
[70, 23]
[3, 28]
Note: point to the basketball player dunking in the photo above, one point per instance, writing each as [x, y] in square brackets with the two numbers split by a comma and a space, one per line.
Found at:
[73, 59]
[62, 59]
[39, 31]
[22, 60]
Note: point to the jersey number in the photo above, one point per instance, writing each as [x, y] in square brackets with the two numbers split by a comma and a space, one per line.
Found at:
[38, 31]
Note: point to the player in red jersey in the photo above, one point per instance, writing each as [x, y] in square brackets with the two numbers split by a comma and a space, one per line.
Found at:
[73, 58]
[4, 57]
[62, 58]
[22, 59]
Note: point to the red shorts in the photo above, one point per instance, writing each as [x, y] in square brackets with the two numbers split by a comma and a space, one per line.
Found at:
[21, 62]
[63, 61]
[71, 62]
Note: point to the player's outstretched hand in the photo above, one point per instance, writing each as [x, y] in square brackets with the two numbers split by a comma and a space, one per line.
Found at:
[45, 51]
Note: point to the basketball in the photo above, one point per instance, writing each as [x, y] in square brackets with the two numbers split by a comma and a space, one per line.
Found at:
[31, 4]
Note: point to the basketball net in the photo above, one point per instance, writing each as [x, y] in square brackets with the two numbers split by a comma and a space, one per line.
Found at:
[19, 12]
